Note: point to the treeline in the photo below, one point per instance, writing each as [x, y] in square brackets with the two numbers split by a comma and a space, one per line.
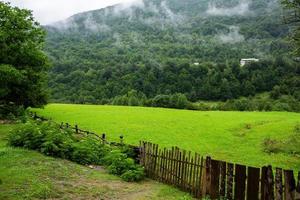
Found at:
[262, 102]
[151, 85]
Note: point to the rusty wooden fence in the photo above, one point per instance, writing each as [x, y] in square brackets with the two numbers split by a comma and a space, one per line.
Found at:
[205, 177]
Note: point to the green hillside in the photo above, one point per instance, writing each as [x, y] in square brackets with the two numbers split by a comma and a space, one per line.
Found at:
[171, 46]
[232, 136]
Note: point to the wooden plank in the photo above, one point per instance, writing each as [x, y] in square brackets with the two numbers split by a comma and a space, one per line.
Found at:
[160, 165]
[215, 179]
[186, 172]
[179, 168]
[169, 167]
[253, 183]
[279, 185]
[141, 153]
[290, 185]
[182, 170]
[240, 182]
[150, 160]
[222, 179]
[155, 161]
[267, 183]
[207, 177]
[229, 187]
[164, 165]
[172, 166]
[194, 191]
[200, 182]
[262, 185]
[297, 196]
[191, 178]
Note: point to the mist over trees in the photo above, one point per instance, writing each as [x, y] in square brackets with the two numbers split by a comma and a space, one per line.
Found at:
[161, 48]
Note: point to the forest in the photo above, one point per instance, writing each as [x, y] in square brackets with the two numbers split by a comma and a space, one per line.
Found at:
[163, 48]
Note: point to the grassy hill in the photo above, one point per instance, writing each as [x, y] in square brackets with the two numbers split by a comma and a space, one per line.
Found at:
[152, 47]
[27, 174]
[230, 136]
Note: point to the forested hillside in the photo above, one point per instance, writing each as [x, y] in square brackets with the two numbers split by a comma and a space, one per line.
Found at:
[163, 47]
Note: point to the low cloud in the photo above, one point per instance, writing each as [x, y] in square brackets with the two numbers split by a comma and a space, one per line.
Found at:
[232, 37]
[50, 11]
[241, 9]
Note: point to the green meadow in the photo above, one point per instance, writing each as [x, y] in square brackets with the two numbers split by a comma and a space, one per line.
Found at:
[231, 136]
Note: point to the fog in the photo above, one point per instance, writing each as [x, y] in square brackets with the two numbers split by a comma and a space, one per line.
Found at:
[49, 11]
[232, 37]
[241, 9]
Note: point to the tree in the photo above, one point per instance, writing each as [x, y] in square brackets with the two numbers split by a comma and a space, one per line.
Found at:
[293, 17]
[23, 64]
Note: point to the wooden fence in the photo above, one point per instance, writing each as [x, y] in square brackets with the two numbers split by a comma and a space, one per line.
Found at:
[204, 177]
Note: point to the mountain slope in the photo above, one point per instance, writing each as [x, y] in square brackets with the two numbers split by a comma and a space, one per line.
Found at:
[150, 46]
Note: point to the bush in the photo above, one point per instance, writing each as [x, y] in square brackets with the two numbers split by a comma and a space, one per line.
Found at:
[30, 136]
[88, 151]
[134, 175]
[119, 164]
[49, 139]
[11, 111]
[57, 143]
[271, 146]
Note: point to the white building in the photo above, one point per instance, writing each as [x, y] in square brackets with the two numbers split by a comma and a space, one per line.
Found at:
[245, 61]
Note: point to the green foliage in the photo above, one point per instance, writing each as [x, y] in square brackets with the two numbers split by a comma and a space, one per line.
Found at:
[118, 163]
[133, 175]
[288, 146]
[50, 140]
[157, 54]
[88, 151]
[292, 17]
[210, 133]
[23, 64]
[271, 146]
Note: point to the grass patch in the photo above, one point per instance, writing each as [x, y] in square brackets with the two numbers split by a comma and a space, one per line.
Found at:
[27, 174]
[231, 136]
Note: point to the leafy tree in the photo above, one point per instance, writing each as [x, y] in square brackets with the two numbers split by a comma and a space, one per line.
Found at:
[23, 64]
[293, 17]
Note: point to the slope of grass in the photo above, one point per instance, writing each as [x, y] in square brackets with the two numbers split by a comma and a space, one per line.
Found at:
[27, 174]
[230, 136]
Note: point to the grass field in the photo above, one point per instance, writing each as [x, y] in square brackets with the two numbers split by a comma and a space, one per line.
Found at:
[27, 174]
[230, 136]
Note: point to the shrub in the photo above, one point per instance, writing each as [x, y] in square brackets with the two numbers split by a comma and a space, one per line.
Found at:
[88, 151]
[271, 146]
[29, 135]
[57, 143]
[134, 175]
[119, 164]
[49, 139]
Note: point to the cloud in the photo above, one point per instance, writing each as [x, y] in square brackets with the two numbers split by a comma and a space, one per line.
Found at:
[241, 9]
[232, 37]
[49, 11]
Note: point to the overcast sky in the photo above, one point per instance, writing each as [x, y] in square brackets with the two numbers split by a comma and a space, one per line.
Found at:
[49, 11]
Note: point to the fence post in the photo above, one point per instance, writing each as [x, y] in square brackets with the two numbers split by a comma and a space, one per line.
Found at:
[298, 187]
[278, 187]
[121, 139]
[207, 179]
[76, 128]
[103, 137]
[229, 187]
[289, 185]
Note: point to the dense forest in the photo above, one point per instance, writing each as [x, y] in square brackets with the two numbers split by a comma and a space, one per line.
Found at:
[158, 48]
